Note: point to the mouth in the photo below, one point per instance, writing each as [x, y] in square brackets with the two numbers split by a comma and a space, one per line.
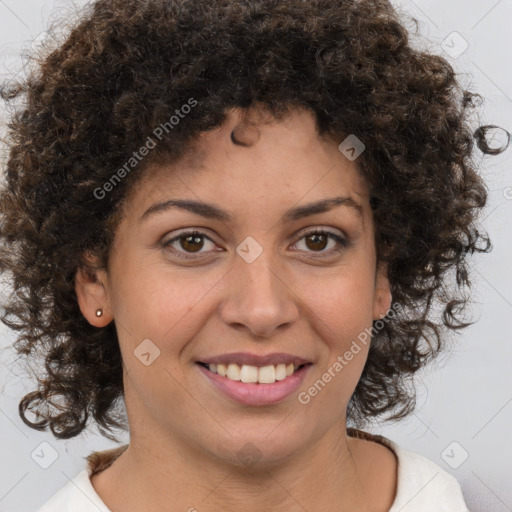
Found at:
[249, 374]
[255, 385]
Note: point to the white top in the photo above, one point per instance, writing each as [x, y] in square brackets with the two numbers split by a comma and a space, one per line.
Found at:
[422, 486]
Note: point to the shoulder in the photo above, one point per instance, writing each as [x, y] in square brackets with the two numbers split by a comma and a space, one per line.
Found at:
[79, 494]
[421, 485]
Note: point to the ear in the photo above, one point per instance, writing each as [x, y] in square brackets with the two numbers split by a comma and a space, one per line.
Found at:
[91, 287]
[382, 296]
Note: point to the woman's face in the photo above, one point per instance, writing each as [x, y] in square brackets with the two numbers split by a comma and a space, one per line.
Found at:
[253, 282]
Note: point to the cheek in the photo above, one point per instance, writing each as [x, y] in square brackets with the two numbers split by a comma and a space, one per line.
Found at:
[342, 316]
[150, 299]
[169, 311]
[343, 306]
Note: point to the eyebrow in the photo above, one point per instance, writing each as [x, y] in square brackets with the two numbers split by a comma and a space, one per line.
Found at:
[211, 211]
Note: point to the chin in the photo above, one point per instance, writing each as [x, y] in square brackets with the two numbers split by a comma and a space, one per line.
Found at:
[257, 450]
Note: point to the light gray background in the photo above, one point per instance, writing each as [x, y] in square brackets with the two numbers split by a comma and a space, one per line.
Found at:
[465, 397]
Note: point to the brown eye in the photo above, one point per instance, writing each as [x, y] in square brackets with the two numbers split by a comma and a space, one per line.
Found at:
[191, 242]
[317, 241]
[188, 242]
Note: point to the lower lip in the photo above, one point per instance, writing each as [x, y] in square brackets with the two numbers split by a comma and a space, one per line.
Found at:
[255, 393]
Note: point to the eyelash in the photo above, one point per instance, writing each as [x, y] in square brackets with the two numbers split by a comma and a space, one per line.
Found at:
[342, 242]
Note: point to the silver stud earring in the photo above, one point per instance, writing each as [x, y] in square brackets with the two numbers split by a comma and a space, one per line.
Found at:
[99, 312]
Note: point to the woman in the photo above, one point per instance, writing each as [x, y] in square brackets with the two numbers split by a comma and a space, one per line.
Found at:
[236, 219]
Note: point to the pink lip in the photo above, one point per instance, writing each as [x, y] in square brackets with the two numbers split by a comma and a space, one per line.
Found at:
[255, 393]
[242, 358]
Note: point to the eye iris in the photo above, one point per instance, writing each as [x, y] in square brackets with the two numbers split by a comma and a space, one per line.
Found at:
[315, 237]
[194, 242]
[192, 239]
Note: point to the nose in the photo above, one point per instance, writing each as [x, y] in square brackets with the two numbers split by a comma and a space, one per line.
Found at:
[260, 297]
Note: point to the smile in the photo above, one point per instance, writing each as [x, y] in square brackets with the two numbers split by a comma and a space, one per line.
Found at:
[254, 374]
[253, 385]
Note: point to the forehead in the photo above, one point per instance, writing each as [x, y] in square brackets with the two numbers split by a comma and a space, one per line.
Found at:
[256, 158]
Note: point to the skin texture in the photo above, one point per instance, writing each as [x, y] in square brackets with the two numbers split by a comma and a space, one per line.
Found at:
[183, 432]
[129, 68]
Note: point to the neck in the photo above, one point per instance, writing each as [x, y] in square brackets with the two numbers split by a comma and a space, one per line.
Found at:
[184, 475]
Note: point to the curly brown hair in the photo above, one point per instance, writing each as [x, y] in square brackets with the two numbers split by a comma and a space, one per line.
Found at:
[124, 68]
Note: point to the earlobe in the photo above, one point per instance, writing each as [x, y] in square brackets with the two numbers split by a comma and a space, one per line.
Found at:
[92, 294]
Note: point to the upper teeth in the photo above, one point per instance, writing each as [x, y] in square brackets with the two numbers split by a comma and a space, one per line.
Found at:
[246, 373]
